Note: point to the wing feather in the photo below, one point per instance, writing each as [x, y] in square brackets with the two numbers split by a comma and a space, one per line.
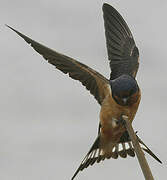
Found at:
[97, 84]
[122, 51]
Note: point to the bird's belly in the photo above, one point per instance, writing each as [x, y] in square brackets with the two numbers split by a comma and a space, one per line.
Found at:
[109, 114]
[111, 129]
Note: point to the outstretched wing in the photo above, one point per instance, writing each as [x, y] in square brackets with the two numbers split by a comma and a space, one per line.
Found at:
[97, 84]
[122, 149]
[122, 51]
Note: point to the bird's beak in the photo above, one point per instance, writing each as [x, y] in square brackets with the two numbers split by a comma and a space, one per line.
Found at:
[125, 100]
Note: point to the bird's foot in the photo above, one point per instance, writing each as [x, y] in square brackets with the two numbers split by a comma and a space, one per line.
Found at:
[122, 120]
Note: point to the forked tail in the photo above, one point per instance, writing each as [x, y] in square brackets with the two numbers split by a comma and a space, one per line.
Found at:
[122, 149]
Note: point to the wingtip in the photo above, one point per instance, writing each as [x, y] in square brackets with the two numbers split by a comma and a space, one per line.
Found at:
[26, 38]
[106, 6]
[9, 26]
[109, 8]
[12, 29]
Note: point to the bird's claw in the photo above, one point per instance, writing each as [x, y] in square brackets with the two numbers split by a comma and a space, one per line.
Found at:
[122, 120]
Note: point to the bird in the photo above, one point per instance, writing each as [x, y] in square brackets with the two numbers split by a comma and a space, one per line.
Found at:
[117, 95]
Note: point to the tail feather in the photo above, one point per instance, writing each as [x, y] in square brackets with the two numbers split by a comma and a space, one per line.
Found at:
[146, 149]
[96, 154]
[130, 150]
[123, 149]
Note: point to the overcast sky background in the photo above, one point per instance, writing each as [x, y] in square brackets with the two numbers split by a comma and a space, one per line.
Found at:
[48, 121]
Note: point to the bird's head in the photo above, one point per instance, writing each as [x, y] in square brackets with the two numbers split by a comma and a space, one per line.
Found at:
[125, 90]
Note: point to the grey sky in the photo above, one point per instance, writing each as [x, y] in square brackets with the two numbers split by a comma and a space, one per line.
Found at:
[48, 121]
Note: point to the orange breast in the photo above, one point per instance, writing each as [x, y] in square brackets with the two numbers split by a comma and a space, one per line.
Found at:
[111, 111]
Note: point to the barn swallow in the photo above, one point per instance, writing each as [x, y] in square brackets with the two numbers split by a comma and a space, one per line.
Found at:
[119, 95]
